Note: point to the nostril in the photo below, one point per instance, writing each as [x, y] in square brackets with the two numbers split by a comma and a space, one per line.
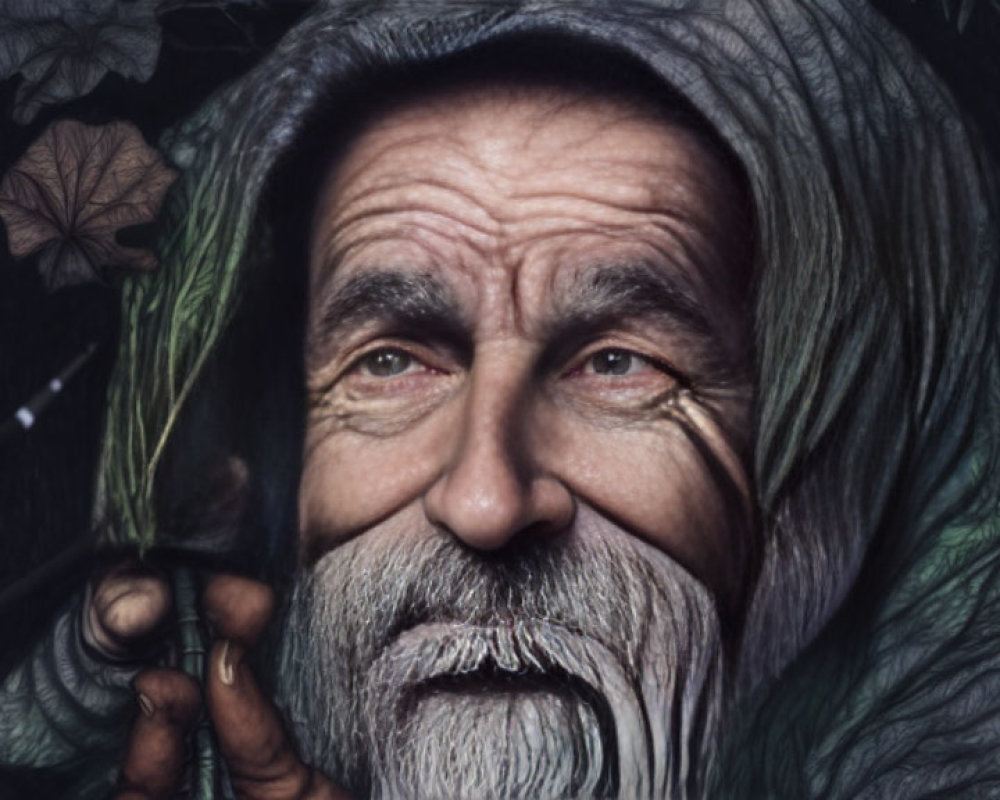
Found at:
[491, 488]
[534, 540]
[542, 529]
[479, 503]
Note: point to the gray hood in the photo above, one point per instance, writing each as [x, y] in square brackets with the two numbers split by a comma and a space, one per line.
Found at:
[876, 353]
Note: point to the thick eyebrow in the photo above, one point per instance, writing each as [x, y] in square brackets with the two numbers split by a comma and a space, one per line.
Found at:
[607, 295]
[404, 300]
[632, 290]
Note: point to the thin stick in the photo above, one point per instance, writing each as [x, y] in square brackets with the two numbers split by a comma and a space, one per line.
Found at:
[203, 769]
[26, 415]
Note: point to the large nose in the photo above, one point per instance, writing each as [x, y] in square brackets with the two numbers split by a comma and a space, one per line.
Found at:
[495, 485]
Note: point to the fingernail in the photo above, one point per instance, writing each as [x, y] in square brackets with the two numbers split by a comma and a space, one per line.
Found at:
[226, 672]
[146, 705]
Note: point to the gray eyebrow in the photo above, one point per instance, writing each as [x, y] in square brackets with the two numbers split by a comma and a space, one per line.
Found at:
[601, 298]
[405, 299]
[608, 294]
[630, 290]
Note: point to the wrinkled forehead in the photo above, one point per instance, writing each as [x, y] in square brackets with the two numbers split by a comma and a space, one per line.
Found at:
[517, 191]
[505, 129]
[560, 72]
[528, 174]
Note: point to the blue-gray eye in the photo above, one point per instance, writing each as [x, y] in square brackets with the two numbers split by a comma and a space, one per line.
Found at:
[386, 363]
[613, 362]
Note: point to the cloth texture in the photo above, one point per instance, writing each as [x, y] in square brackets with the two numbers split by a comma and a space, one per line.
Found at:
[875, 352]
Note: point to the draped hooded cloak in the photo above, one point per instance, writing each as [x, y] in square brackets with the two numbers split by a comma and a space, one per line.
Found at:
[874, 671]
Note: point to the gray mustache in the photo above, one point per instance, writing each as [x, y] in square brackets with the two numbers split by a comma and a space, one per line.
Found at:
[522, 649]
[617, 637]
[587, 586]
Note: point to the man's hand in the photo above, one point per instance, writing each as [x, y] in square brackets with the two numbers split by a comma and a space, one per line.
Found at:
[128, 606]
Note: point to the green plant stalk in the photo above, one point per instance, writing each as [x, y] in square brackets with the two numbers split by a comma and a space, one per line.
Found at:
[192, 653]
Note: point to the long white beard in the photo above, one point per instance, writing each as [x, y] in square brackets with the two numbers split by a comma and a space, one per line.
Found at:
[589, 666]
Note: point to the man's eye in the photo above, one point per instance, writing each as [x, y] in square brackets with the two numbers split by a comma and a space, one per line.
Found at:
[386, 363]
[614, 362]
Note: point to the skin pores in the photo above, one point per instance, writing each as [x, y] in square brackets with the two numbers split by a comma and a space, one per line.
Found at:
[520, 379]
[524, 498]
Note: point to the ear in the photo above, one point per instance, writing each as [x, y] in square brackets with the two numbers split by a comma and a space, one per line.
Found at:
[209, 519]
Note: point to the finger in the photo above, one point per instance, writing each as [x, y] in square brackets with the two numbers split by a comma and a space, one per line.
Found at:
[238, 608]
[252, 739]
[262, 763]
[169, 702]
[127, 605]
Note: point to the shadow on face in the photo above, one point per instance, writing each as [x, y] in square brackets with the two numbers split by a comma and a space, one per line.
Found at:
[520, 304]
[525, 513]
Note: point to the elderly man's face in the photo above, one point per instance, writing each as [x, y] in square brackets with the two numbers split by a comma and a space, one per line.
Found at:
[515, 302]
[525, 334]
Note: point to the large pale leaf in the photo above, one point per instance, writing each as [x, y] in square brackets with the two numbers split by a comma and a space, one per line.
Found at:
[73, 190]
[63, 48]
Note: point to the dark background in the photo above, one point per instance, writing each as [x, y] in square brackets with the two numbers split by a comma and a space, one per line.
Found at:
[46, 473]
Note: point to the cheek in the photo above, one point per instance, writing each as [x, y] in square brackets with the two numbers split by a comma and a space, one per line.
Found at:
[650, 480]
[350, 481]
